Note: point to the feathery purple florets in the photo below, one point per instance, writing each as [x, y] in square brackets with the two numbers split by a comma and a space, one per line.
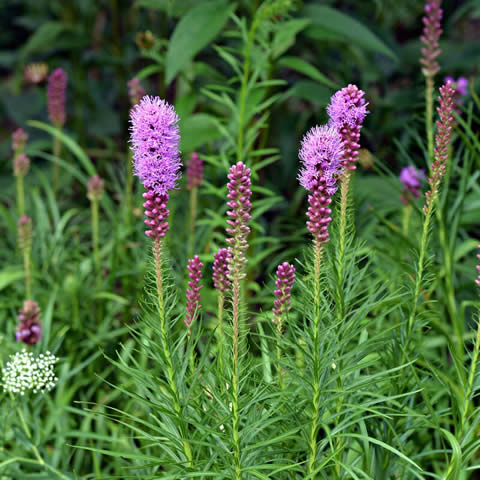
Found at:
[193, 292]
[154, 143]
[460, 89]
[29, 330]
[220, 270]
[412, 180]
[477, 281]
[442, 140]
[57, 85]
[318, 212]
[19, 140]
[21, 165]
[321, 155]
[157, 213]
[347, 110]
[284, 284]
[431, 33]
[194, 171]
[135, 90]
[239, 194]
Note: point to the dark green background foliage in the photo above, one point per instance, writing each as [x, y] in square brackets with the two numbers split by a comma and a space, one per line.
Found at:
[248, 79]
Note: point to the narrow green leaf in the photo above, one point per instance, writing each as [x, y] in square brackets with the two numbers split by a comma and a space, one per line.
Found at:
[300, 65]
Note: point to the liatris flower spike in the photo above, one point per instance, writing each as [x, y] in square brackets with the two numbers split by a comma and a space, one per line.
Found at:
[193, 292]
[57, 85]
[29, 329]
[21, 165]
[442, 140]
[412, 180]
[95, 188]
[25, 232]
[135, 90]
[154, 143]
[347, 110]
[284, 284]
[220, 270]
[19, 140]
[460, 88]
[194, 171]
[477, 281]
[431, 33]
[239, 194]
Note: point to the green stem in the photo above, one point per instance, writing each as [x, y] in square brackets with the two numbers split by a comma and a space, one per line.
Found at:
[95, 241]
[26, 429]
[128, 189]
[157, 253]
[281, 382]
[193, 218]
[407, 213]
[317, 261]
[221, 301]
[235, 380]
[429, 117]
[57, 147]
[20, 195]
[28, 275]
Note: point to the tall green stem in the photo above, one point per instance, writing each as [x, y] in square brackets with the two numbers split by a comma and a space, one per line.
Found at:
[57, 148]
[221, 301]
[193, 219]
[317, 262]
[429, 117]
[28, 274]
[128, 189]
[95, 240]
[407, 213]
[157, 254]
[20, 195]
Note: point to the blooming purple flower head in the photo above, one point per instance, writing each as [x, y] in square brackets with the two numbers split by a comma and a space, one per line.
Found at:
[157, 213]
[29, 330]
[154, 143]
[220, 270]
[431, 33]
[57, 84]
[193, 292]
[194, 171]
[135, 90]
[19, 140]
[412, 180]
[347, 110]
[460, 89]
[321, 155]
[318, 212]
[284, 284]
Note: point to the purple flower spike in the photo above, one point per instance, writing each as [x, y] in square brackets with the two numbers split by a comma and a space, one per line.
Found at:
[412, 180]
[29, 330]
[157, 213]
[154, 142]
[347, 110]
[57, 84]
[460, 89]
[284, 284]
[321, 155]
[477, 281]
[19, 140]
[194, 171]
[239, 194]
[442, 139]
[193, 292]
[21, 165]
[135, 90]
[318, 212]
[220, 270]
[431, 33]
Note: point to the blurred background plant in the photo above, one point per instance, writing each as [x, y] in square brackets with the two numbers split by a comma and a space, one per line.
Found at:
[247, 79]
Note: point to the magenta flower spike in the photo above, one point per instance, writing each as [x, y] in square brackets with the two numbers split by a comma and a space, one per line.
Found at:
[154, 143]
[460, 89]
[193, 292]
[239, 194]
[412, 180]
[57, 85]
[19, 140]
[431, 33]
[347, 110]
[194, 171]
[442, 139]
[135, 91]
[319, 212]
[477, 281]
[29, 330]
[220, 270]
[284, 284]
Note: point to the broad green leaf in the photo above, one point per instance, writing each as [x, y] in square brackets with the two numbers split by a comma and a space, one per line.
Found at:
[197, 130]
[196, 29]
[347, 27]
[10, 275]
[300, 65]
[43, 38]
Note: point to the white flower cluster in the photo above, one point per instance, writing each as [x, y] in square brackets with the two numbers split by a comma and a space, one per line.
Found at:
[24, 372]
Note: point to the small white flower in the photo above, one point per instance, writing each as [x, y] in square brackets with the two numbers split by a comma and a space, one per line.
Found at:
[24, 372]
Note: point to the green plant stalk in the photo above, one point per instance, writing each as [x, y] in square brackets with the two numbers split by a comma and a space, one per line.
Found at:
[220, 305]
[193, 219]
[429, 117]
[27, 252]
[95, 241]
[57, 148]
[157, 254]
[235, 374]
[20, 195]
[407, 213]
[317, 262]
[129, 189]
[281, 382]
